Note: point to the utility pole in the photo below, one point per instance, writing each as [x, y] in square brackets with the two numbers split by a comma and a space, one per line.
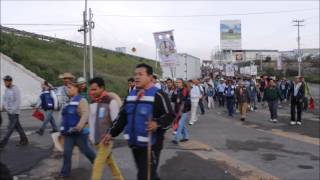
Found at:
[298, 24]
[91, 26]
[85, 30]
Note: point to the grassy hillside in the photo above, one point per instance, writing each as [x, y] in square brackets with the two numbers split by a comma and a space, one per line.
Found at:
[49, 59]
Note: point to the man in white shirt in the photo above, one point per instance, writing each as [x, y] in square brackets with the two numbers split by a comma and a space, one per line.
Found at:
[11, 104]
[195, 95]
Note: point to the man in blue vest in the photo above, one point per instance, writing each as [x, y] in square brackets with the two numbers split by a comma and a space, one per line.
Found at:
[146, 109]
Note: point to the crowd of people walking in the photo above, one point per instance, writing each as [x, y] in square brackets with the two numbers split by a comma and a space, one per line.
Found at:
[90, 116]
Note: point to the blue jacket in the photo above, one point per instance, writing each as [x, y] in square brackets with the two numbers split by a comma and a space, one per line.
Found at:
[47, 102]
[70, 116]
[139, 111]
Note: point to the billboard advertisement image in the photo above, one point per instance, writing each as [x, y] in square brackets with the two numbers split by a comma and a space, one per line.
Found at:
[230, 34]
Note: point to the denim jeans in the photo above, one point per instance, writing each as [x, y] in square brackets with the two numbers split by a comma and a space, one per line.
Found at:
[201, 106]
[221, 98]
[14, 124]
[69, 142]
[182, 132]
[253, 101]
[49, 118]
[230, 105]
[273, 106]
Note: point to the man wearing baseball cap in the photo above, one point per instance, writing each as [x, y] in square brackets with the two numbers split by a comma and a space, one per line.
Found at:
[83, 88]
[11, 104]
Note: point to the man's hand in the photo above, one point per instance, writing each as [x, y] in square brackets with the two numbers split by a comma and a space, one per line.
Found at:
[152, 126]
[106, 139]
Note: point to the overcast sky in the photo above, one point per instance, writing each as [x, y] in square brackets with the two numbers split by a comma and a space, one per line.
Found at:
[197, 36]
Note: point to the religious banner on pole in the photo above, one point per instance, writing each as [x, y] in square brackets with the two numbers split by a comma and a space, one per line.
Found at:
[229, 70]
[241, 70]
[247, 70]
[166, 48]
[253, 70]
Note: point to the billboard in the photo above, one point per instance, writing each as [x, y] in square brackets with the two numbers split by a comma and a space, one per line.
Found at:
[230, 34]
[166, 48]
[239, 56]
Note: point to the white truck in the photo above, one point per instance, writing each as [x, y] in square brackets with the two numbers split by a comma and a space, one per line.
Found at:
[187, 67]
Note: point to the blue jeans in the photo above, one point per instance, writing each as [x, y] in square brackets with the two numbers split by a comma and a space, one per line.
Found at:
[230, 105]
[69, 142]
[14, 124]
[49, 118]
[182, 129]
[273, 106]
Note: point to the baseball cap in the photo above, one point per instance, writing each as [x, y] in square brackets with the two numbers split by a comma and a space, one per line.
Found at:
[7, 78]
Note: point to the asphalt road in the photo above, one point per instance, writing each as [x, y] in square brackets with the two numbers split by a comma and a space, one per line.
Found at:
[219, 148]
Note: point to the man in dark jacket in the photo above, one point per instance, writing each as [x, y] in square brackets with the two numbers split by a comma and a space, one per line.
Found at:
[144, 117]
[183, 105]
[297, 93]
[229, 93]
[272, 94]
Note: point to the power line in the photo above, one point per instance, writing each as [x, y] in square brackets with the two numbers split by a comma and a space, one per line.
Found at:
[35, 24]
[206, 15]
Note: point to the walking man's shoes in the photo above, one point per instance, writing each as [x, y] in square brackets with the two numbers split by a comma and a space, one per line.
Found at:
[23, 143]
[184, 140]
[40, 132]
[53, 131]
[292, 123]
[174, 142]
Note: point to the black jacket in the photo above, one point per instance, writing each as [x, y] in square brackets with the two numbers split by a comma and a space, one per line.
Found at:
[162, 113]
[183, 102]
[300, 95]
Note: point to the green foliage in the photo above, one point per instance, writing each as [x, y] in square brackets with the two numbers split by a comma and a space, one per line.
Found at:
[313, 79]
[49, 59]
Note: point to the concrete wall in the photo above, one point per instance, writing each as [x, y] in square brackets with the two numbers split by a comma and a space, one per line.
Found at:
[28, 82]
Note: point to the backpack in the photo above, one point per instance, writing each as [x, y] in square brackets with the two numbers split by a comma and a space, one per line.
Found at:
[47, 101]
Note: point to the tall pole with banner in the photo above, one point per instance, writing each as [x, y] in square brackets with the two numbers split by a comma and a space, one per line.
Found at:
[166, 50]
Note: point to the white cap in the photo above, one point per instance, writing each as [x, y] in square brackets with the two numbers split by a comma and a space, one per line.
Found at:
[81, 80]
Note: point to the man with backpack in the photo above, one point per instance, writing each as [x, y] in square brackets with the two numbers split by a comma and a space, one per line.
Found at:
[104, 109]
[48, 102]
